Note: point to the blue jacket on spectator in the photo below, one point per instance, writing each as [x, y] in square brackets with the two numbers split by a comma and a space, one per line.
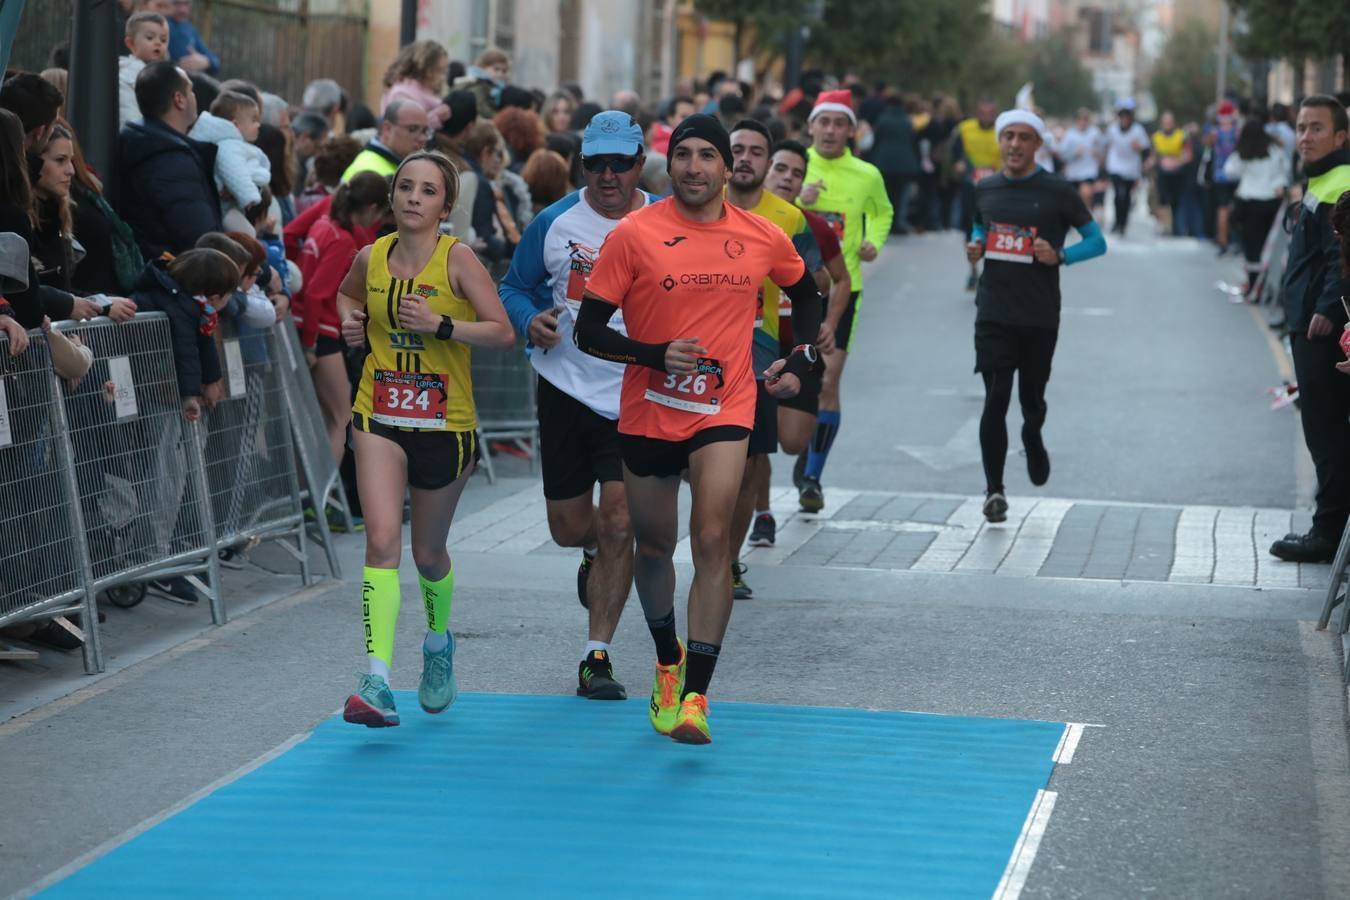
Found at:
[184, 39]
[194, 353]
[168, 187]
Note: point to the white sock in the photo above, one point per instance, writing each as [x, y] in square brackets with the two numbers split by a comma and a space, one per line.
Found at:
[594, 645]
[761, 512]
[436, 641]
[379, 667]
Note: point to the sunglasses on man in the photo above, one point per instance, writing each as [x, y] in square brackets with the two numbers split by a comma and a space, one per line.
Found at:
[616, 164]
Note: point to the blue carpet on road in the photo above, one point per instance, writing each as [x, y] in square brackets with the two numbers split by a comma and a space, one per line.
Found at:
[538, 796]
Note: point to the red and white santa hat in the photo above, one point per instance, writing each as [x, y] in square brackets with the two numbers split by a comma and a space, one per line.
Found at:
[834, 101]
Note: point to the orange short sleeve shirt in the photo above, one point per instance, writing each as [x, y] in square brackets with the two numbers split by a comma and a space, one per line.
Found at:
[675, 278]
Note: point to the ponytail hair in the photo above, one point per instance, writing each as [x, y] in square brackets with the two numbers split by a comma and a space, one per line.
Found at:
[366, 189]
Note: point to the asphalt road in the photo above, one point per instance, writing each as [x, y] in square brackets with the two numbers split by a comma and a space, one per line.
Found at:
[1218, 766]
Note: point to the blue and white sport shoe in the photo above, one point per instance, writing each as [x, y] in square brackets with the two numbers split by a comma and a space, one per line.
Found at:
[372, 705]
[437, 688]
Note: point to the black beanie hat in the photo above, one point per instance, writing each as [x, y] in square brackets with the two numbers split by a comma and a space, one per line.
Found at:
[463, 112]
[701, 125]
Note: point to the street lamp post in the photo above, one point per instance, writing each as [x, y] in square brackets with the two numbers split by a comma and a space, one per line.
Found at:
[91, 104]
[407, 30]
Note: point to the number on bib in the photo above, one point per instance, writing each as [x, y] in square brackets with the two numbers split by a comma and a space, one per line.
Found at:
[1010, 243]
[408, 399]
[695, 392]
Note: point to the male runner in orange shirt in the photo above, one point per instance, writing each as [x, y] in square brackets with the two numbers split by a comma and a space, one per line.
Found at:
[686, 272]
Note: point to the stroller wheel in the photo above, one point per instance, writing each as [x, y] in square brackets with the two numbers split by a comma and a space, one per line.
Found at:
[125, 596]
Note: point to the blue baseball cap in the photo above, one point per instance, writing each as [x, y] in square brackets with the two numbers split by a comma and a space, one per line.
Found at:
[612, 133]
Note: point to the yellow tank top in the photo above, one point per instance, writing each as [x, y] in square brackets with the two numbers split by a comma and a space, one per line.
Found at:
[1169, 144]
[773, 302]
[980, 144]
[412, 380]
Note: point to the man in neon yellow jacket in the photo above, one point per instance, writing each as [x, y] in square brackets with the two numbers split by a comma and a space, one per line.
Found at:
[851, 195]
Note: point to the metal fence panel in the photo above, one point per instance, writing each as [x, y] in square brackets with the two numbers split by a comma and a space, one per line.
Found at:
[44, 563]
[137, 462]
[38, 556]
[504, 393]
[250, 457]
[322, 481]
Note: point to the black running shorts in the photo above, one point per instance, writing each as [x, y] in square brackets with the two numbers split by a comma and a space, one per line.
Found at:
[327, 346]
[435, 458]
[764, 439]
[1022, 347]
[843, 335]
[579, 446]
[654, 458]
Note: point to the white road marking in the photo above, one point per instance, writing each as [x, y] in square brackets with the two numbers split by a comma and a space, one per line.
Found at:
[1024, 851]
[1035, 538]
[1270, 526]
[993, 541]
[1193, 559]
[951, 544]
[1068, 742]
[961, 449]
[1234, 555]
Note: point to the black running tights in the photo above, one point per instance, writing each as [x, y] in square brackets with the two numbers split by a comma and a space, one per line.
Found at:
[998, 386]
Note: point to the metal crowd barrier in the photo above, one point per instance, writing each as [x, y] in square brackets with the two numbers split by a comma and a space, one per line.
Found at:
[104, 486]
[503, 391]
[1274, 256]
[1337, 595]
[249, 454]
[322, 485]
[138, 463]
[45, 570]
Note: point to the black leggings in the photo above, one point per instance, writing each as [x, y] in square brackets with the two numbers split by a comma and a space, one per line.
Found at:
[998, 386]
[1255, 217]
[1123, 189]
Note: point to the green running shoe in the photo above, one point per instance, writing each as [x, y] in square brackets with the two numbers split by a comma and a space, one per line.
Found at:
[437, 689]
[666, 690]
[372, 705]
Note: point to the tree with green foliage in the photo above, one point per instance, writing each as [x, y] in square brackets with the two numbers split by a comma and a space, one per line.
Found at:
[1295, 30]
[1184, 77]
[916, 45]
[1062, 82]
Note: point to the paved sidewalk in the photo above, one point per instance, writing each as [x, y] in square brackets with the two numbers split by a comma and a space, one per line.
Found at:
[1048, 538]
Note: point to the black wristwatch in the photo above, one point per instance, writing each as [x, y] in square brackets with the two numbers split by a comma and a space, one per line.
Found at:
[446, 329]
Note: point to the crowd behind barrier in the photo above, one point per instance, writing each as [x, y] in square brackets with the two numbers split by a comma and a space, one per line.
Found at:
[109, 486]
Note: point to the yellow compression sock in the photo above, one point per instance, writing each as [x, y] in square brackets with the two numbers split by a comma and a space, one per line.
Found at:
[437, 598]
[379, 612]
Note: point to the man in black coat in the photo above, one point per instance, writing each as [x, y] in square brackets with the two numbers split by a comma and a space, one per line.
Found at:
[168, 187]
[1313, 294]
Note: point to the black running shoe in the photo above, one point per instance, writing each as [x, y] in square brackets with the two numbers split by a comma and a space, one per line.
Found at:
[595, 678]
[762, 535]
[995, 507]
[810, 496]
[799, 471]
[1038, 458]
[739, 589]
[584, 575]
[176, 589]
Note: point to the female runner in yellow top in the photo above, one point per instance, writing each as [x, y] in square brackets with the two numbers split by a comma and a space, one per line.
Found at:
[417, 300]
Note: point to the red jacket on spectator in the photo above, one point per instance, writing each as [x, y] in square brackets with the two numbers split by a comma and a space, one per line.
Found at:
[293, 235]
[324, 260]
